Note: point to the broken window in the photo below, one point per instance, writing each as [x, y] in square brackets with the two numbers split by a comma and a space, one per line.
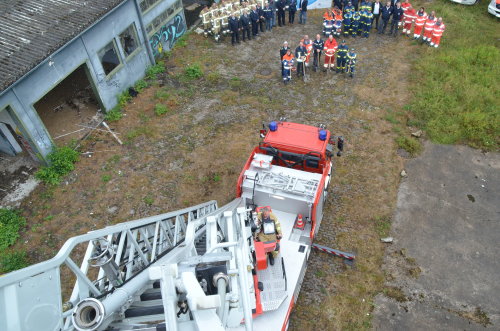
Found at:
[147, 4]
[109, 58]
[129, 40]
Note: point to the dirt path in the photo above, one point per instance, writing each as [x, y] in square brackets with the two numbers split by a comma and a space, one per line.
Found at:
[195, 152]
[444, 261]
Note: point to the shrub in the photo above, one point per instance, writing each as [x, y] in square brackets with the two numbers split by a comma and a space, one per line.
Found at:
[411, 145]
[10, 224]
[61, 161]
[153, 71]
[113, 115]
[13, 261]
[140, 85]
[161, 109]
[193, 71]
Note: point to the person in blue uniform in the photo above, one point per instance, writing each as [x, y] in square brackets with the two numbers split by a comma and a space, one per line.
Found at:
[342, 57]
[347, 23]
[356, 18]
[368, 22]
[292, 9]
[235, 27]
[300, 57]
[254, 19]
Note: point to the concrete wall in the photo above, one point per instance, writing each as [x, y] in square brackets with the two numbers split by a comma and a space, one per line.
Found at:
[83, 50]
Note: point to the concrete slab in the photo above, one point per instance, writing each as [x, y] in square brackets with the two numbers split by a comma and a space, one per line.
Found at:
[446, 236]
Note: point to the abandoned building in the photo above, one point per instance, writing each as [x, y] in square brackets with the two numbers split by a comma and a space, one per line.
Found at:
[63, 61]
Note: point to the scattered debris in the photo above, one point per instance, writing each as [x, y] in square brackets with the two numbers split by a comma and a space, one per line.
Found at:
[198, 31]
[387, 240]
[404, 174]
[471, 198]
[417, 134]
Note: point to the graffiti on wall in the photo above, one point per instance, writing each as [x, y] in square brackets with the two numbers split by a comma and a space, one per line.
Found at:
[167, 35]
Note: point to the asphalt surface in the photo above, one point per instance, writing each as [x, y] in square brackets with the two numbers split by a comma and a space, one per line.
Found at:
[446, 233]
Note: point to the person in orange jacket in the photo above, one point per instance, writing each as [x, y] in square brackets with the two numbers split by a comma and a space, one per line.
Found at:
[420, 19]
[330, 48]
[437, 32]
[408, 17]
[287, 64]
[429, 27]
[308, 44]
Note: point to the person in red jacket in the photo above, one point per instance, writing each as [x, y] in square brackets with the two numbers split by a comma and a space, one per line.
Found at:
[330, 49]
[437, 32]
[405, 5]
[420, 19]
[408, 17]
[429, 27]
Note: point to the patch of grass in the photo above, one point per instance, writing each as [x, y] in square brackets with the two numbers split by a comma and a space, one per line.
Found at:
[216, 177]
[11, 222]
[456, 90]
[62, 161]
[140, 85]
[193, 71]
[214, 77]
[477, 316]
[162, 95]
[48, 218]
[124, 98]
[382, 226]
[106, 178]
[148, 200]
[139, 131]
[10, 261]
[161, 109]
[182, 41]
[153, 71]
[395, 293]
[235, 83]
[113, 115]
[411, 145]
[391, 118]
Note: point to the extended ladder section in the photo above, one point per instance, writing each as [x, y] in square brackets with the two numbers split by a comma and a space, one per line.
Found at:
[189, 269]
[288, 183]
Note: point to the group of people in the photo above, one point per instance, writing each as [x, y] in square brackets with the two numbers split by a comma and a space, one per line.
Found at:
[299, 60]
[352, 19]
[249, 17]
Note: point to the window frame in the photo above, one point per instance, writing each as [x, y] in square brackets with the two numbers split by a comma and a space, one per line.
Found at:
[165, 21]
[127, 58]
[150, 7]
[119, 66]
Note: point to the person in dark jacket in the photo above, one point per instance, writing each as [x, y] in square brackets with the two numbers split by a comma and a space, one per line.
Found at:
[292, 9]
[272, 5]
[355, 4]
[397, 16]
[245, 24]
[300, 56]
[268, 15]
[318, 45]
[235, 27]
[376, 9]
[386, 13]
[262, 18]
[338, 4]
[254, 19]
[280, 5]
[303, 12]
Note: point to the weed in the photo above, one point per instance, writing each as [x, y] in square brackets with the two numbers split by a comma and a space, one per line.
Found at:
[140, 85]
[235, 83]
[320, 273]
[143, 117]
[124, 98]
[161, 109]
[10, 224]
[115, 158]
[36, 227]
[395, 293]
[382, 226]
[148, 200]
[181, 42]
[132, 134]
[411, 145]
[162, 95]
[62, 161]
[391, 119]
[153, 71]
[10, 261]
[48, 218]
[113, 115]
[193, 71]
[216, 178]
[214, 77]
[106, 178]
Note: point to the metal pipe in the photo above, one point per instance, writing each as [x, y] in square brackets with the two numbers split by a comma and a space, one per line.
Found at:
[221, 290]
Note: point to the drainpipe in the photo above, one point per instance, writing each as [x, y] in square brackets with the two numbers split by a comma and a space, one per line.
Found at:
[144, 33]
